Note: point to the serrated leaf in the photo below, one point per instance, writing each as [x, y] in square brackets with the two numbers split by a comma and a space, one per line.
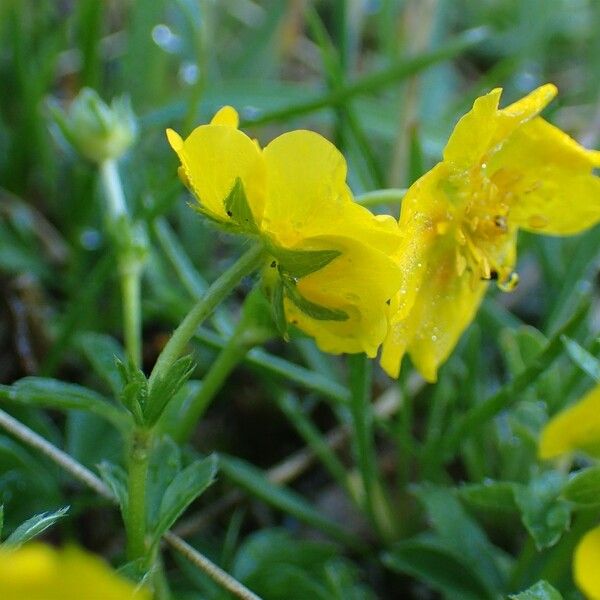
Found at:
[582, 358]
[183, 490]
[300, 263]
[315, 311]
[542, 590]
[115, 478]
[238, 209]
[429, 560]
[35, 526]
[166, 387]
[51, 393]
[583, 488]
[545, 515]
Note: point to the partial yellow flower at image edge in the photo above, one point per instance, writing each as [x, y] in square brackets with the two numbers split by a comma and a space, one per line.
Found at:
[299, 204]
[40, 572]
[502, 170]
[577, 429]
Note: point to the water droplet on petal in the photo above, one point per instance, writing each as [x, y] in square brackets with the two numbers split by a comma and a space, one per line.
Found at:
[537, 221]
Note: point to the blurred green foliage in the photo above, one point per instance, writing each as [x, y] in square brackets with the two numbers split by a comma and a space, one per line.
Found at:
[475, 515]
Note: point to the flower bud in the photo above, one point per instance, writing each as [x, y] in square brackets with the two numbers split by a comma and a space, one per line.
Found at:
[97, 131]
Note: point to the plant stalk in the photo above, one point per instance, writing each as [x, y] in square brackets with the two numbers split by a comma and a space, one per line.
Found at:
[135, 517]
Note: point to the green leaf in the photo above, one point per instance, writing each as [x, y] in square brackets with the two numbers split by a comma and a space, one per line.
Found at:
[299, 263]
[183, 490]
[544, 514]
[101, 350]
[315, 311]
[115, 478]
[35, 526]
[427, 559]
[583, 488]
[495, 496]
[166, 387]
[164, 464]
[462, 534]
[51, 393]
[582, 358]
[542, 590]
[254, 482]
[134, 389]
[238, 209]
[1, 520]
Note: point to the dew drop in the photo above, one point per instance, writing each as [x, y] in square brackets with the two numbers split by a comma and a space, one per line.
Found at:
[537, 221]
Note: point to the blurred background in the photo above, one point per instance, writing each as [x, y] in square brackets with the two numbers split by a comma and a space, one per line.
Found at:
[386, 80]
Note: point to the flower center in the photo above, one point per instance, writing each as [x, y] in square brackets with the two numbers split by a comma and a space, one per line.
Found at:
[483, 233]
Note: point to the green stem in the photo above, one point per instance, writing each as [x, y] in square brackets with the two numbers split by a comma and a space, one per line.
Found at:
[377, 197]
[230, 356]
[113, 190]
[215, 294]
[375, 502]
[132, 322]
[129, 265]
[135, 517]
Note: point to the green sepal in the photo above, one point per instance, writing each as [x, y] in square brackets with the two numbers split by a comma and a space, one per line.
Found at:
[315, 311]
[238, 209]
[165, 388]
[279, 310]
[300, 263]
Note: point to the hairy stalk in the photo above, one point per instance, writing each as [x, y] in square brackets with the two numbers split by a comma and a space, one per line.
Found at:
[135, 518]
[129, 264]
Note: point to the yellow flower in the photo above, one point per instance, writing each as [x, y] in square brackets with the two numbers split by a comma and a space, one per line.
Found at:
[39, 572]
[502, 170]
[575, 428]
[332, 259]
[585, 564]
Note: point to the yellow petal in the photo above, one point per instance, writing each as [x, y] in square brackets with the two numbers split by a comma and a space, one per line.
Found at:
[586, 564]
[306, 187]
[212, 158]
[575, 428]
[516, 114]
[473, 133]
[358, 282]
[39, 572]
[551, 184]
[227, 115]
[444, 307]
